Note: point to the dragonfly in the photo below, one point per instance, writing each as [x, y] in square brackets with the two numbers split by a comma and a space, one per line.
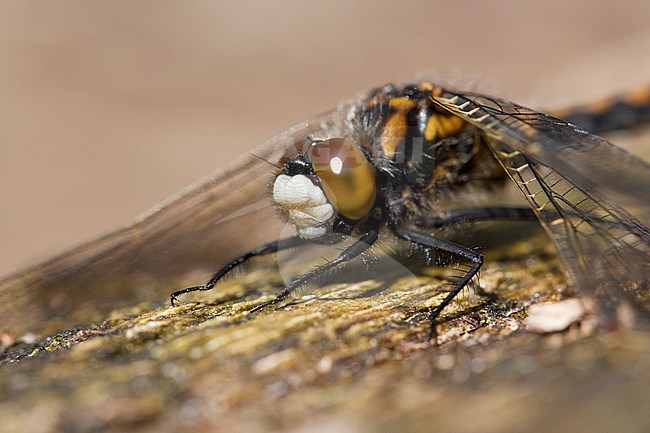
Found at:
[401, 162]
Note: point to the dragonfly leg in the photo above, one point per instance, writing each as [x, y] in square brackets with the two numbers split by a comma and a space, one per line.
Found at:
[474, 214]
[428, 241]
[355, 250]
[470, 214]
[262, 250]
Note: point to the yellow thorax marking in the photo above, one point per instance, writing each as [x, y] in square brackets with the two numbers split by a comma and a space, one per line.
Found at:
[442, 126]
[396, 125]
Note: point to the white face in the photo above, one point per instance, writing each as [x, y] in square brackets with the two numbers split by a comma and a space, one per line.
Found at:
[332, 179]
[304, 204]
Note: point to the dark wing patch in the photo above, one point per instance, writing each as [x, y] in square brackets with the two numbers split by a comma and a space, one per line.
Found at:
[592, 197]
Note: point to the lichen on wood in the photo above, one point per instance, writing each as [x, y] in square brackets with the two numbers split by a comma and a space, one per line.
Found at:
[348, 356]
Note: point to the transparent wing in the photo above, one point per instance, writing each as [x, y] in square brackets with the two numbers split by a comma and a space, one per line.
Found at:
[202, 227]
[592, 197]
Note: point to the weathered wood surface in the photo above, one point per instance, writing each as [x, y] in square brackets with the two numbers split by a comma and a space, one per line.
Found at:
[351, 358]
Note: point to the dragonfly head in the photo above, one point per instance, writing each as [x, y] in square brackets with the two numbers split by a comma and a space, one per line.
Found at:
[333, 179]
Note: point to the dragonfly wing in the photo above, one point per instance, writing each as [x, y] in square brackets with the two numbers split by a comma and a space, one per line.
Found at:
[202, 227]
[592, 197]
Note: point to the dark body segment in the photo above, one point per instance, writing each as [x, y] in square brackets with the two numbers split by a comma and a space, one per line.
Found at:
[619, 112]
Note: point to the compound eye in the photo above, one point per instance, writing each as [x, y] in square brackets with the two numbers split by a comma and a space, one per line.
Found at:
[346, 175]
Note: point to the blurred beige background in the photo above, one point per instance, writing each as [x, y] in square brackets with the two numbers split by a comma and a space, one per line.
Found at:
[107, 107]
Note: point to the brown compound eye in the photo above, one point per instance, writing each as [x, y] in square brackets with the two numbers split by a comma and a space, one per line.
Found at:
[347, 177]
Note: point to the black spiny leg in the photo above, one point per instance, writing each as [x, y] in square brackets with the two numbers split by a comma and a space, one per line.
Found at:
[474, 214]
[262, 250]
[351, 252]
[470, 214]
[428, 241]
